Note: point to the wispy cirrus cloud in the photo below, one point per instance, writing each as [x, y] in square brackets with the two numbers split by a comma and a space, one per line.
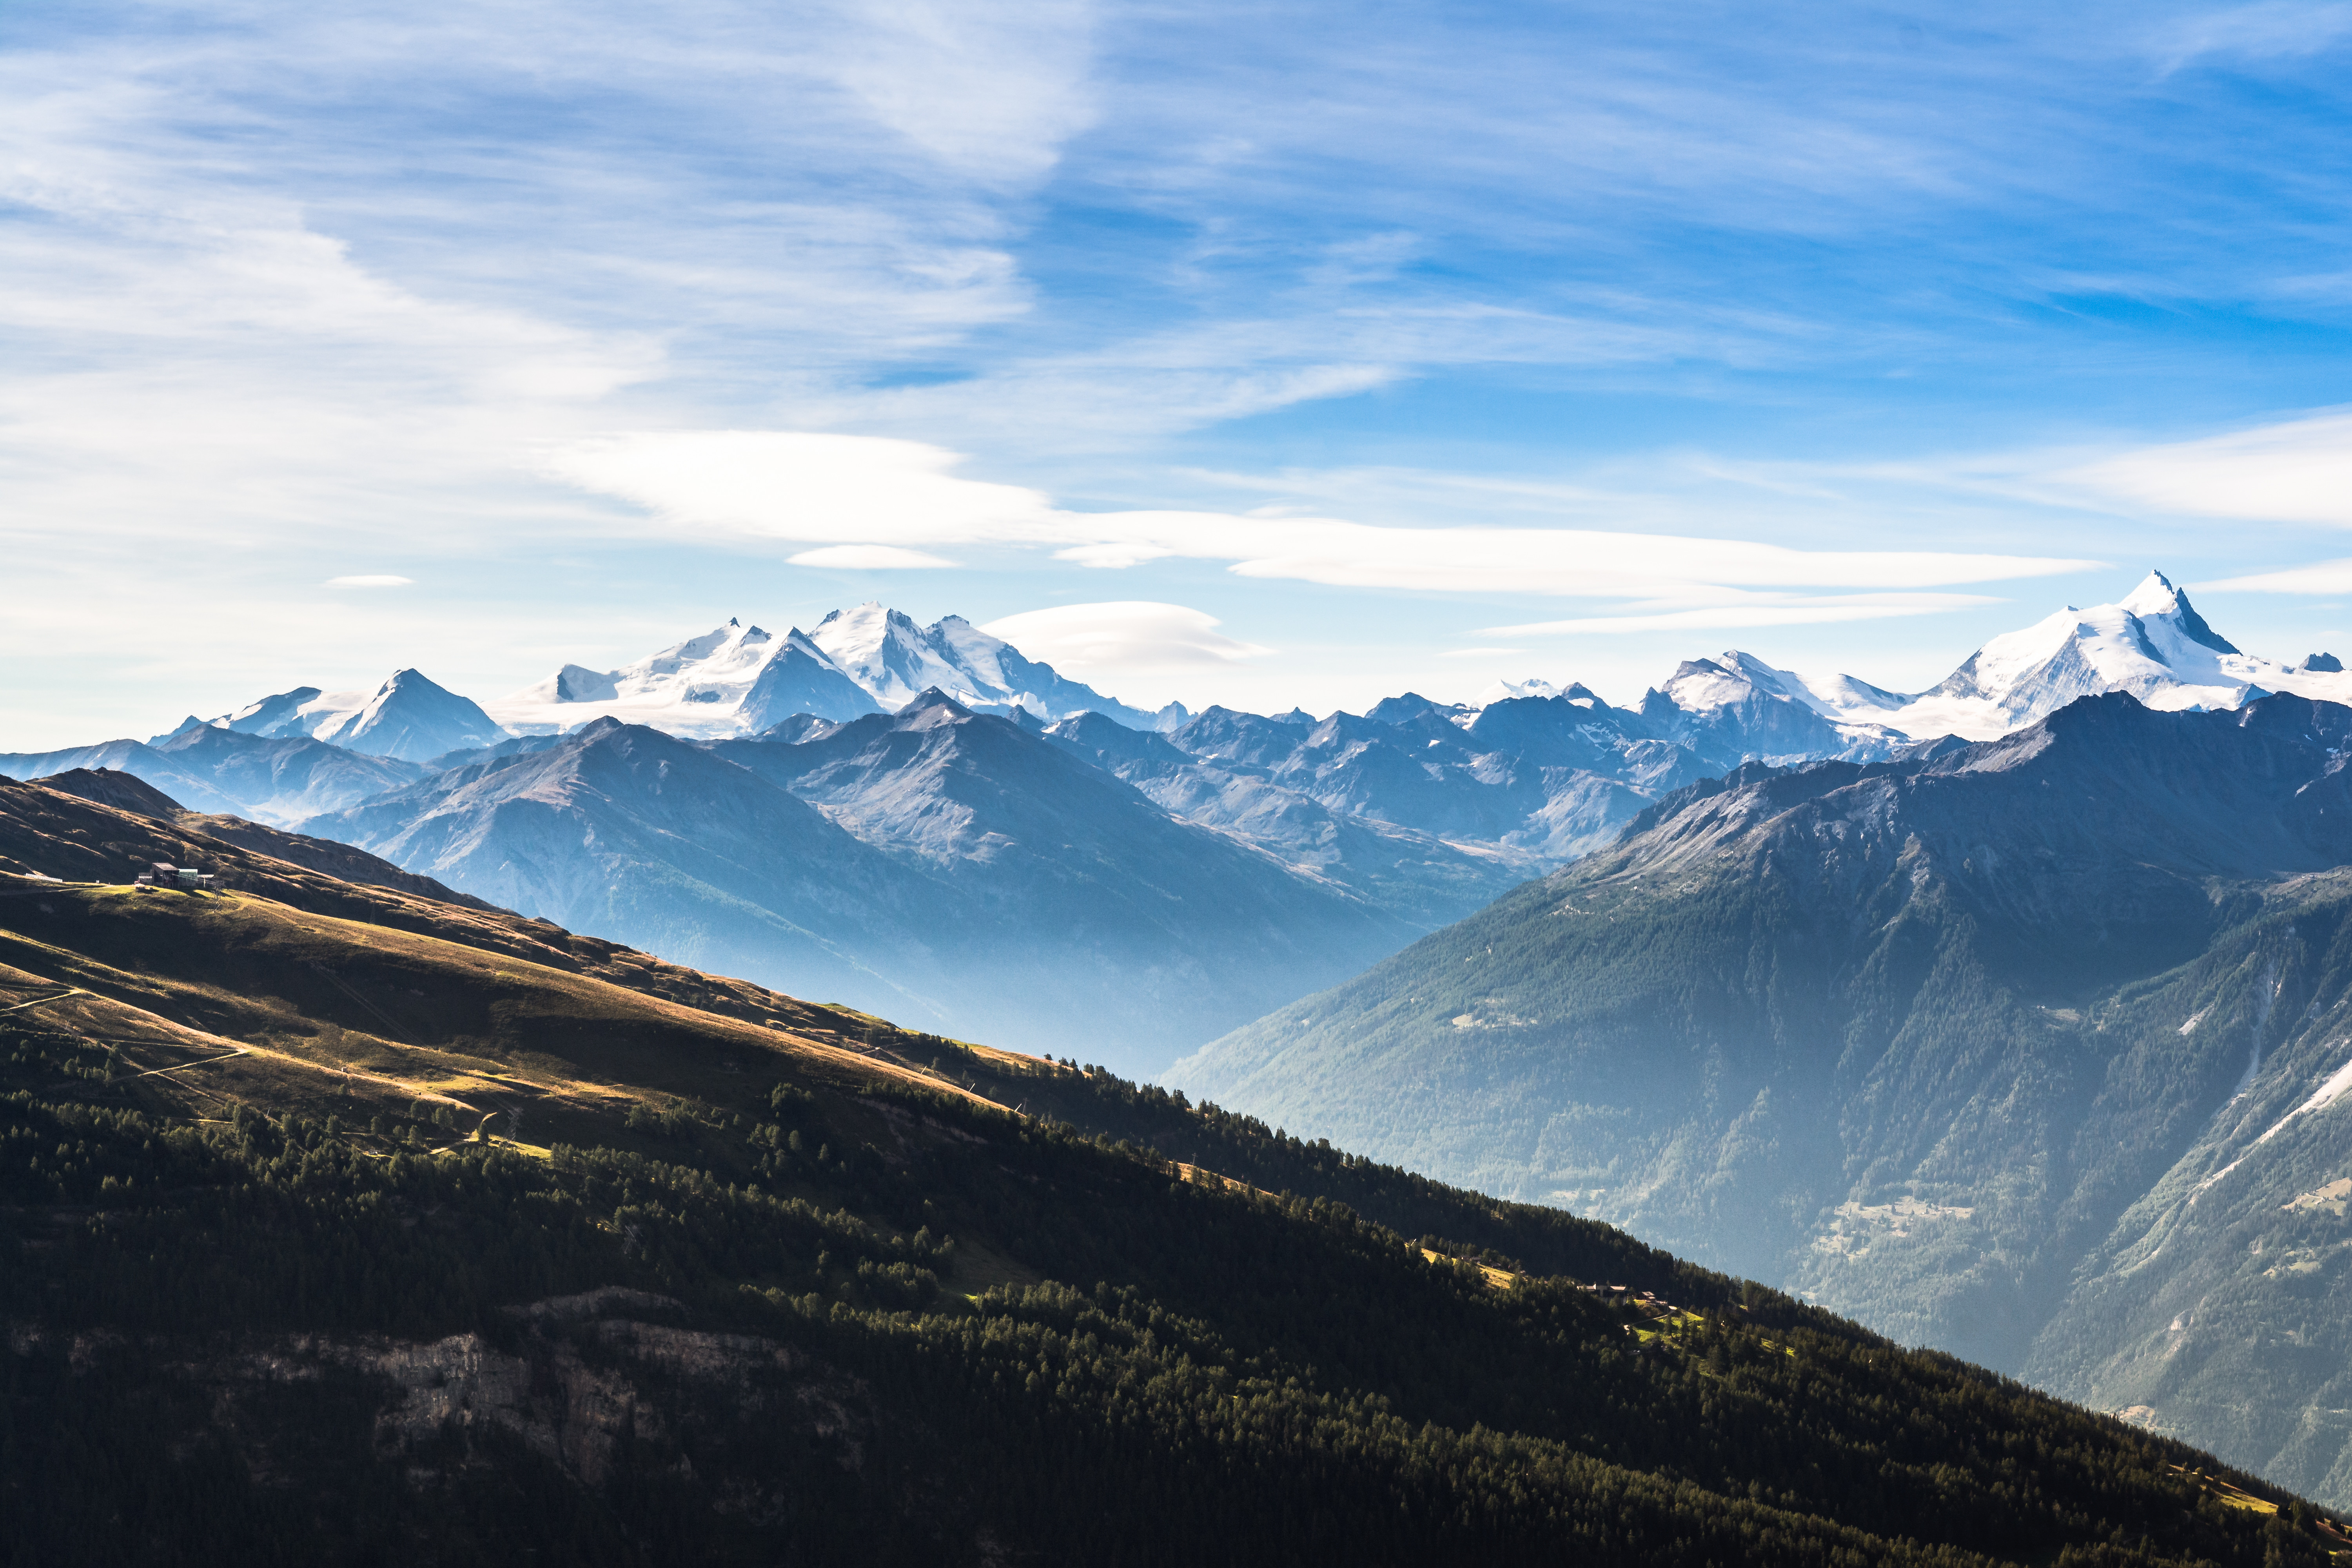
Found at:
[1752, 611]
[2319, 577]
[871, 492]
[2297, 470]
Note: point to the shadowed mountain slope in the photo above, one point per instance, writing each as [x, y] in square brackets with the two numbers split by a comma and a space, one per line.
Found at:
[280, 779]
[127, 791]
[1090, 901]
[1914, 1038]
[639, 838]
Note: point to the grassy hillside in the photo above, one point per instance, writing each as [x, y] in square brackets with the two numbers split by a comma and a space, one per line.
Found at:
[329, 1240]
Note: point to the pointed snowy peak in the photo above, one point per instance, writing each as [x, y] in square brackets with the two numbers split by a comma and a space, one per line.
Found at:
[1735, 707]
[738, 679]
[2156, 598]
[976, 653]
[800, 679]
[300, 711]
[723, 657]
[2152, 644]
[412, 718]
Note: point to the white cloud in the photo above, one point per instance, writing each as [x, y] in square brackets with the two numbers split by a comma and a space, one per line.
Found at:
[372, 580]
[790, 485]
[1131, 637]
[2320, 577]
[2296, 471]
[1802, 613]
[869, 558]
[1480, 652]
[823, 488]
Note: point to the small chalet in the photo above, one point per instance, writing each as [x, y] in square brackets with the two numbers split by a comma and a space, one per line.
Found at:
[163, 873]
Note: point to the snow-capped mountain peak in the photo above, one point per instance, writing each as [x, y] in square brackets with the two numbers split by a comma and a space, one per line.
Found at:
[888, 654]
[2152, 644]
[1506, 691]
[716, 666]
[2157, 599]
[409, 716]
[412, 718]
[738, 679]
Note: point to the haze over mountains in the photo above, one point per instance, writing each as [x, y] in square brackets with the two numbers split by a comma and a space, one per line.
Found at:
[944, 867]
[1368, 830]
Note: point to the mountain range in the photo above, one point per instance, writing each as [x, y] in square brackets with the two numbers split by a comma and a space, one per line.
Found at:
[935, 863]
[737, 679]
[2032, 1048]
[341, 1221]
[1371, 829]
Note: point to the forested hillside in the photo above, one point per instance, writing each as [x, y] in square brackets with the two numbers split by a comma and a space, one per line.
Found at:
[327, 1239]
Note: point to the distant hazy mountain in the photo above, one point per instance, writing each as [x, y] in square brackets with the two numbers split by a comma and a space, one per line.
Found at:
[135, 758]
[625, 833]
[950, 865]
[1531, 774]
[1417, 875]
[408, 717]
[278, 780]
[2000, 1047]
[1544, 772]
[1516, 786]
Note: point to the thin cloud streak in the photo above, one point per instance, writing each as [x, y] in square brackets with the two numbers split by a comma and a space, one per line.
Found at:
[1732, 618]
[813, 487]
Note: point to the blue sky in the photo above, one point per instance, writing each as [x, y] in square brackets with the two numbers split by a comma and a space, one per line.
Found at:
[1346, 334]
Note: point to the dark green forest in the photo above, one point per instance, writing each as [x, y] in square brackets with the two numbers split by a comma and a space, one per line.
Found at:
[1162, 1370]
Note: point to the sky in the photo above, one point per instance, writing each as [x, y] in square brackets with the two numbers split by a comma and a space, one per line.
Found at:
[1265, 354]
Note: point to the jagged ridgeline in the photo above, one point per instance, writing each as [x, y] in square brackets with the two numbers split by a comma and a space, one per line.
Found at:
[340, 1222]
